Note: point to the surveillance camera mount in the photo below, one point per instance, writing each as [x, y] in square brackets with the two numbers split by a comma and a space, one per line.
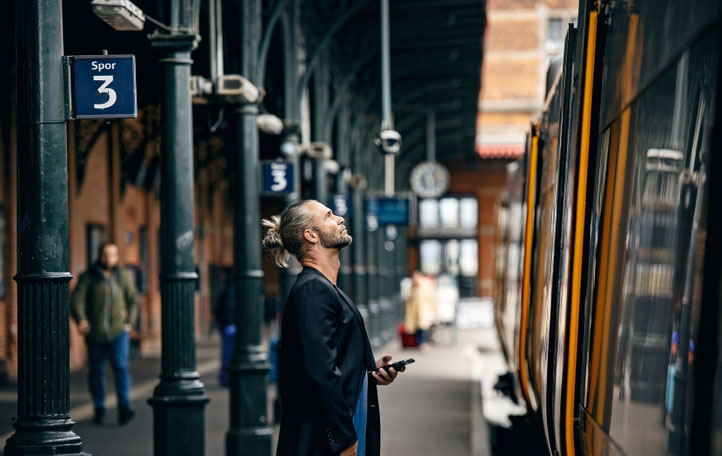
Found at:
[389, 141]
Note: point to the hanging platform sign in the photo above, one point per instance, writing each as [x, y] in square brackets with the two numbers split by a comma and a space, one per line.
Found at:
[104, 87]
[277, 177]
[394, 210]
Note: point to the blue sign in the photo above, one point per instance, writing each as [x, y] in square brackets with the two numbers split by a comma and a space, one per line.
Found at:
[341, 205]
[104, 86]
[278, 177]
[390, 210]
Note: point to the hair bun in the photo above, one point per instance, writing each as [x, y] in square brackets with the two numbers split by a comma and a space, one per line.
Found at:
[272, 240]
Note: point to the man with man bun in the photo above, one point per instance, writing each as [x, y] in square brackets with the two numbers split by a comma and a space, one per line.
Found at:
[328, 375]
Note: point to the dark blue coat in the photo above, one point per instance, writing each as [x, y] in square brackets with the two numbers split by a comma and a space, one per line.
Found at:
[324, 353]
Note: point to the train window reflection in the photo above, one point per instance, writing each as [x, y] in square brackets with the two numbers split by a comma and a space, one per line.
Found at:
[646, 306]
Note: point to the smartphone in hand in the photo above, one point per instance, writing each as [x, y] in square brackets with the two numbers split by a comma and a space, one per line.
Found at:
[397, 365]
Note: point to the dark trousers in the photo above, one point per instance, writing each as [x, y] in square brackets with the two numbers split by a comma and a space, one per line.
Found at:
[118, 350]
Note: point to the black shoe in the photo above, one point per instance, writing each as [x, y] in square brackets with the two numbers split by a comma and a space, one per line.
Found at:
[99, 415]
[125, 414]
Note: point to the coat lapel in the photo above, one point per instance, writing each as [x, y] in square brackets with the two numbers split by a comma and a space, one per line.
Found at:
[359, 319]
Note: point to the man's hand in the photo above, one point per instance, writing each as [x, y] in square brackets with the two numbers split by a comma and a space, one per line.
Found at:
[381, 376]
[350, 451]
[83, 327]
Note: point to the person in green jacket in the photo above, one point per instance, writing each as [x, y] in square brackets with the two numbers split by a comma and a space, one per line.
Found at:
[105, 307]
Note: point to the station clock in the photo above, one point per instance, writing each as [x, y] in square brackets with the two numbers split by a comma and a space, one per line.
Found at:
[429, 179]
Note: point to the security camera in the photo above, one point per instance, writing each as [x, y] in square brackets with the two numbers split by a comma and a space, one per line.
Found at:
[331, 166]
[289, 148]
[319, 150]
[270, 124]
[236, 89]
[390, 141]
[119, 14]
[201, 87]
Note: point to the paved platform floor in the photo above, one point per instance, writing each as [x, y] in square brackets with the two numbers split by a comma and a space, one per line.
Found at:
[433, 409]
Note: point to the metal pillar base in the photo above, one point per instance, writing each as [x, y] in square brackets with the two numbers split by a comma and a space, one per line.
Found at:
[249, 383]
[250, 441]
[176, 421]
[37, 437]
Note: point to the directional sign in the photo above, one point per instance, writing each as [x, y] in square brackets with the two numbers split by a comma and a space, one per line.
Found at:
[278, 177]
[104, 86]
[394, 210]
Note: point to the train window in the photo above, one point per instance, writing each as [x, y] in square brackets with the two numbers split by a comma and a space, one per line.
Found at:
[648, 261]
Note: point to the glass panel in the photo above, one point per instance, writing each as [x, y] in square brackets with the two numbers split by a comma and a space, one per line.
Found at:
[469, 213]
[556, 30]
[429, 213]
[642, 51]
[468, 257]
[650, 260]
[430, 252]
[449, 212]
[451, 257]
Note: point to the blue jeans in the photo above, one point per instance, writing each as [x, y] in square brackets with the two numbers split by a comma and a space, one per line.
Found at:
[118, 349]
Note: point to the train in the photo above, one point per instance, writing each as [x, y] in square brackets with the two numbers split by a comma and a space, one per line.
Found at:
[608, 277]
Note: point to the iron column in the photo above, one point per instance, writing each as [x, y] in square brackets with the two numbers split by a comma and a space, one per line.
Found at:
[342, 185]
[289, 146]
[249, 432]
[372, 275]
[358, 246]
[43, 424]
[179, 399]
[387, 122]
[320, 95]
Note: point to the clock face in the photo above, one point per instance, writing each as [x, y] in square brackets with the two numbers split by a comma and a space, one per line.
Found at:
[429, 179]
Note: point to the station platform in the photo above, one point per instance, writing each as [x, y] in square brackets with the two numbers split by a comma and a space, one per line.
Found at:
[434, 408]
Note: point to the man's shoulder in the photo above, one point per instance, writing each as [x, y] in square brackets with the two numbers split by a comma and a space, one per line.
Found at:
[311, 282]
[86, 275]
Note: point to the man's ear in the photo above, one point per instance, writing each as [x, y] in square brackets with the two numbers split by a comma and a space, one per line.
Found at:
[310, 235]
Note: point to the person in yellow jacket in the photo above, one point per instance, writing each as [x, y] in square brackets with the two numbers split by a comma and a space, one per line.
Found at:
[420, 308]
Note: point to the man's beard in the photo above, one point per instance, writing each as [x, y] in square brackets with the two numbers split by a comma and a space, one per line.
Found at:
[334, 241]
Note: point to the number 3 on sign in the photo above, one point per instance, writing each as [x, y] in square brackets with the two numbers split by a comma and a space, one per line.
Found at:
[112, 97]
[279, 179]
